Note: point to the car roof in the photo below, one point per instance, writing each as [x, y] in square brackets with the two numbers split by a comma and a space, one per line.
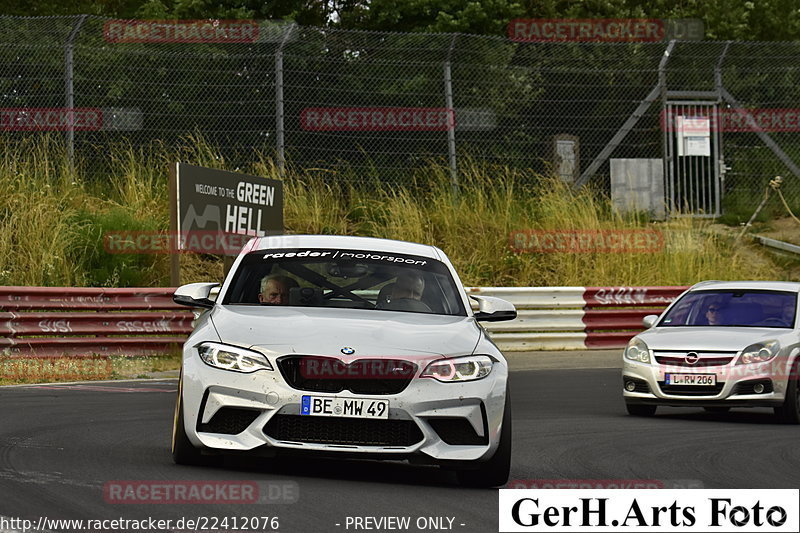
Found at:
[762, 285]
[345, 242]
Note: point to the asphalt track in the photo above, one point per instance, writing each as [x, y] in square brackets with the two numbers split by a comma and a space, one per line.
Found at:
[60, 445]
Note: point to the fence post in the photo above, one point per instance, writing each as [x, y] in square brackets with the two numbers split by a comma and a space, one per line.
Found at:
[69, 65]
[629, 124]
[720, 167]
[666, 131]
[279, 113]
[451, 126]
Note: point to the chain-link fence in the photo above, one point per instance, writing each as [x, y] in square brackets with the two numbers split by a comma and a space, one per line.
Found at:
[382, 104]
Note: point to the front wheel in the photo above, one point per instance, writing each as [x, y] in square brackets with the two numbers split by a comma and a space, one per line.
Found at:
[789, 412]
[495, 471]
[183, 451]
[638, 409]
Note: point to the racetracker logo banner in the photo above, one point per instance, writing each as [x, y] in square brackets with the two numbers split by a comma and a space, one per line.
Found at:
[372, 368]
[163, 242]
[377, 119]
[774, 510]
[51, 119]
[587, 241]
[180, 31]
[738, 120]
[200, 492]
[587, 30]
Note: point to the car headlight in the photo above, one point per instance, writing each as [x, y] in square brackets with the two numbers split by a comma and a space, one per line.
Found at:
[232, 358]
[637, 351]
[759, 352]
[459, 369]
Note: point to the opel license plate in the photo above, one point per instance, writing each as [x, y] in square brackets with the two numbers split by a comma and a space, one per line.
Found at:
[700, 380]
[344, 407]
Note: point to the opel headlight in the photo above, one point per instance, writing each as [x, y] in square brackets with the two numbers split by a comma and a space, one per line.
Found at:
[637, 351]
[232, 358]
[759, 352]
[458, 369]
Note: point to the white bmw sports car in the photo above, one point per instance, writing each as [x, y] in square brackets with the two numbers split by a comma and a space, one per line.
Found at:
[345, 346]
[721, 344]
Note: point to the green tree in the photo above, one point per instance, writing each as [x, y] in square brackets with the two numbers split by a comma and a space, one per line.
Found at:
[464, 16]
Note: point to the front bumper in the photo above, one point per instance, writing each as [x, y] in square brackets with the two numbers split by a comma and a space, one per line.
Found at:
[733, 389]
[271, 411]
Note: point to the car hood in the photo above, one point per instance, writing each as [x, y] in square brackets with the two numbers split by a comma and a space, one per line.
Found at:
[729, 339]
[326, 331]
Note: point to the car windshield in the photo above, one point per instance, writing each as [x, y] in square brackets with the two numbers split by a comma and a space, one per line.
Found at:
[352, 279]
[742, 308]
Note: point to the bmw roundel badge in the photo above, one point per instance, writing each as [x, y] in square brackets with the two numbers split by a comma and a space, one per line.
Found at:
[348, 350]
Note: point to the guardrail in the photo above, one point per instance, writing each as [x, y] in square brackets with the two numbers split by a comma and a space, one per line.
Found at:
[55, 321]
[574, 318]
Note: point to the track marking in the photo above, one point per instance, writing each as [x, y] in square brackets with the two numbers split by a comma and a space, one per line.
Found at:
[101, 388]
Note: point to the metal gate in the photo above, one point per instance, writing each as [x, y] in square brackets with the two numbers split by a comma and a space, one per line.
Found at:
[693, 152]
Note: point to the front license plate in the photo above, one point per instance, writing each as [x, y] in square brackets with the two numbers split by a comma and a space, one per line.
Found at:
[344, 407]
[701, 380]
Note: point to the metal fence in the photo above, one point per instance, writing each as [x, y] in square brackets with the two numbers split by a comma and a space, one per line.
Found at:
[376, 106]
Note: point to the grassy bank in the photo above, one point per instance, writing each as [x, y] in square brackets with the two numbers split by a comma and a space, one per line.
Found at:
[19, 370]
[53, 217]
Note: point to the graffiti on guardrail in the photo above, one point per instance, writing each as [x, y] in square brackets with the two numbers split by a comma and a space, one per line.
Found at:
[631, 296]
[621, 295]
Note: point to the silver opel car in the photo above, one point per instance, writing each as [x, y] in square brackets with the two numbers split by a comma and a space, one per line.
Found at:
[345, 346]
[719, 345]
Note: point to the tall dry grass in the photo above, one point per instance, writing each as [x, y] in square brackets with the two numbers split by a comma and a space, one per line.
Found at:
[52, 218]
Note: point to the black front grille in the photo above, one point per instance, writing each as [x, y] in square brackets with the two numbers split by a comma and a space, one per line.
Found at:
[746, 387]
[229, 421]
[704, 362]
[457, 431]
[640, 384]
[329, 374]
[691, 390]
[343, 431]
